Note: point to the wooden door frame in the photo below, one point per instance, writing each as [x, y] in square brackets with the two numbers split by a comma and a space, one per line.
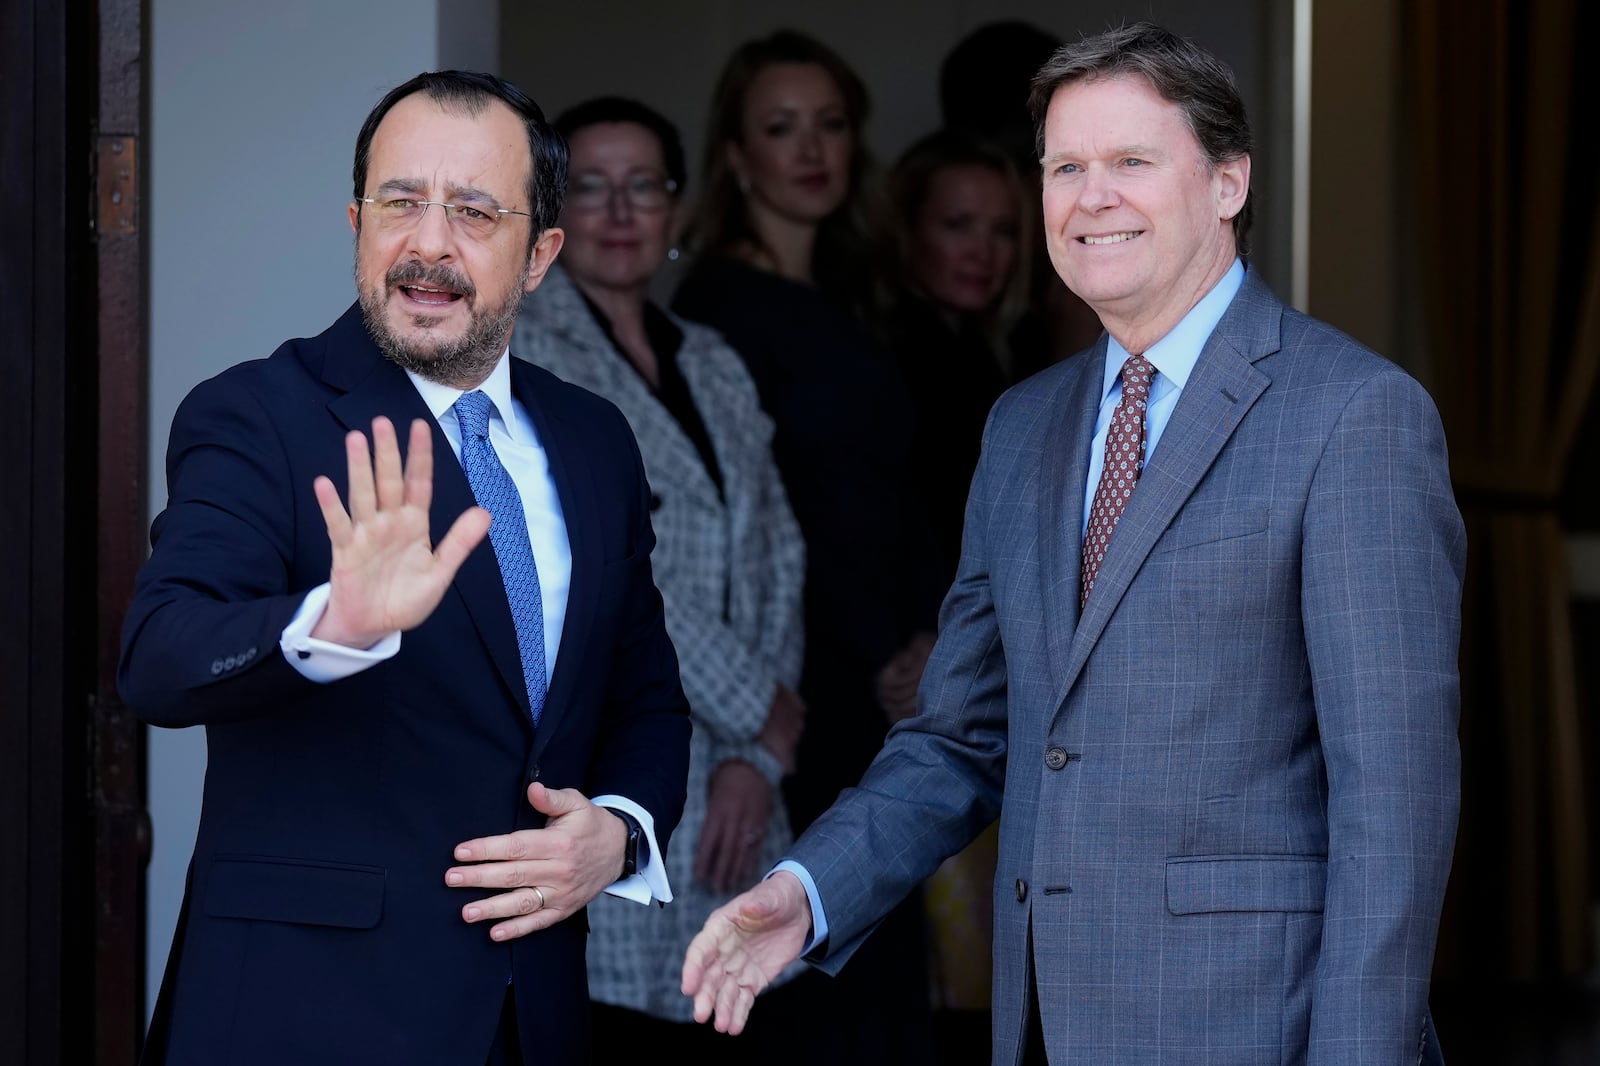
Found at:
[73, 488]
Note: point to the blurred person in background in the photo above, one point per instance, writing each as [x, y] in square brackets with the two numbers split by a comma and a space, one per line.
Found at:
[983, 89]
[958, 248]
[784, 270]
[729, 559]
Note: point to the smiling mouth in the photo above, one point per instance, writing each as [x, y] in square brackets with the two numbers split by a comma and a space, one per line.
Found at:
[1110, 238]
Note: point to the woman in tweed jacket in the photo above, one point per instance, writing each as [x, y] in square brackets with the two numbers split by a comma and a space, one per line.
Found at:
[729, 559]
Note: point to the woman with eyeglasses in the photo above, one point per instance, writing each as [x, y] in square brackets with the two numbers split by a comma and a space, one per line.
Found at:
[729, 559]
[783, 269]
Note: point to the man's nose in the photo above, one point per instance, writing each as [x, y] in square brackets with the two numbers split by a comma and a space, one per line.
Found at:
[1099, 190]
[433, 237]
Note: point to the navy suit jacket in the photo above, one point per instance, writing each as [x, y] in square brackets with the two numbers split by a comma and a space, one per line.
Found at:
[1231, 782]
[317, 926]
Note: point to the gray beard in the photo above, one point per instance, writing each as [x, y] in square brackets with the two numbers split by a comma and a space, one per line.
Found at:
[462, 363]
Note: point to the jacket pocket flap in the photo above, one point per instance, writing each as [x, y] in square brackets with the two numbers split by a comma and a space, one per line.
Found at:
[1190, 531]
[290, 890]
[1255, 883]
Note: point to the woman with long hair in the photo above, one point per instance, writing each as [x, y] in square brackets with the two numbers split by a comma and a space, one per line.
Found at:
[956, 247]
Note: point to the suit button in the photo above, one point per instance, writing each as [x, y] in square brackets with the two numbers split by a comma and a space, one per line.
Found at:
[1022, 890]
[216, 667]
[1055, 757]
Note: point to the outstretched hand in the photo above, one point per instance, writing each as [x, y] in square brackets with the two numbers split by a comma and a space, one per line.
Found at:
[744, 945]
[386, 575]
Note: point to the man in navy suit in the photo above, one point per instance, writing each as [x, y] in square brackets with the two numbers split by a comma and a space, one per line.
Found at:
[1201, 643]
[429, 748]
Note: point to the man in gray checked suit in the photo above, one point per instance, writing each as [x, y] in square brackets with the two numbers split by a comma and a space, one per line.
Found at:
[1223, 744]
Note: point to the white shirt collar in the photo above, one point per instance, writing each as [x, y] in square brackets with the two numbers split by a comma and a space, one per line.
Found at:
[441, 399]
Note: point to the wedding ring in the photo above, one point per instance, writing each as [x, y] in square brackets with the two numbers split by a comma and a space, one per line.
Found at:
[537, 891]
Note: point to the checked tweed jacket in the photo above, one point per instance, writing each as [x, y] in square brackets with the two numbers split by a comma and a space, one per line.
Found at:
[731, 577]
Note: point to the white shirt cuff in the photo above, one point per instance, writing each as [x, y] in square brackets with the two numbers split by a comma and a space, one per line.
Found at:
[651, 881]
[322, 660]
[819, 920]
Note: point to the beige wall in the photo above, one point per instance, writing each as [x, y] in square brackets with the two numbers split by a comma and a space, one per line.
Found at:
[1360, 258]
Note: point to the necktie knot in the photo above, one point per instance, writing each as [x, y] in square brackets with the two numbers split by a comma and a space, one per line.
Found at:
[1136, 375]
[472, 413]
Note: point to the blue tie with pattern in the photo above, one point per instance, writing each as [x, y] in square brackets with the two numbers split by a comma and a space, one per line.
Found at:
[508, 534]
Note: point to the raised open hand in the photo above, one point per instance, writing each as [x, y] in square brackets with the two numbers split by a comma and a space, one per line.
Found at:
[386, 574]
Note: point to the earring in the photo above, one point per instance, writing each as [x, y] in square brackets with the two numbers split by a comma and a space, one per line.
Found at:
[672, 254]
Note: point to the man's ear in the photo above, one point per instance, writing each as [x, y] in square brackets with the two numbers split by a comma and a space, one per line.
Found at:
[355, 217]
[544, 253]
[1233, 187]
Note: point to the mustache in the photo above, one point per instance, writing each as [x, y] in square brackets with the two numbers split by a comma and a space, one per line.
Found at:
[437, 276]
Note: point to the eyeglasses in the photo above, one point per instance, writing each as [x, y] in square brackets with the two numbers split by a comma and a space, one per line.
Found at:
[643, 192]
[402, 211]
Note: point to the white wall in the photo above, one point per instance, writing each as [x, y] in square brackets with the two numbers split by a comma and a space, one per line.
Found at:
[254, 110]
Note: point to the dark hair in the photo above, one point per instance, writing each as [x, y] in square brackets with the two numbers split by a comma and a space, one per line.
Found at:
[471, 92]
[911, 180]
[984, 82]
[840, 262]
[603, 109]
[1185, 74]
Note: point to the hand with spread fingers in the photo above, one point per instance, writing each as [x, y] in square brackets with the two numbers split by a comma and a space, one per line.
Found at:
[386, 575]
[541, 876]
[744, 945]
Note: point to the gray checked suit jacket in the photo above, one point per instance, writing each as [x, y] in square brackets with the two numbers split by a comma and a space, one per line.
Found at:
[730, 576]
[1228, 791]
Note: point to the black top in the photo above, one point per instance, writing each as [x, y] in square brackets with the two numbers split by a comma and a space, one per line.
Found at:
[954, 378]
[842, 441]
[672, 390]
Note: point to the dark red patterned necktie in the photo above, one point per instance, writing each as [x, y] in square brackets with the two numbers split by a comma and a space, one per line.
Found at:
[1124, 460]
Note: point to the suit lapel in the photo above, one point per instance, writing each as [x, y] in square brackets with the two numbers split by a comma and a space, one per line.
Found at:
[1065, 468]
[375, 387]
[1223, 387]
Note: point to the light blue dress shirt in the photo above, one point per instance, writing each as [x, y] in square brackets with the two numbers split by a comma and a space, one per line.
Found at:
[1173, 357]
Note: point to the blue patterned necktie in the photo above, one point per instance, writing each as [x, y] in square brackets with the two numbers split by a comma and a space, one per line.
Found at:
[508, 534]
